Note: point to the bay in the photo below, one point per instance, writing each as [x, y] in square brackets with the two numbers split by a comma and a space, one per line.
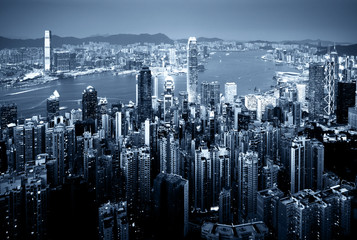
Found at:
[246, 69]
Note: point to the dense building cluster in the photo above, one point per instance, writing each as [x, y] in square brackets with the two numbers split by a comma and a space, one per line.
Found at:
[200, 164]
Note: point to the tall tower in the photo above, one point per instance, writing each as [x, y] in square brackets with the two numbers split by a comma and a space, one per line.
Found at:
[118, 126]
[316, 91]
[192, 72]
[53, 105]
[89, 103]
[48, 51]
[144, 95]
[330, 89]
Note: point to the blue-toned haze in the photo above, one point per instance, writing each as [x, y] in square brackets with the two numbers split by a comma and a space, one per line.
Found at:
[228, 19]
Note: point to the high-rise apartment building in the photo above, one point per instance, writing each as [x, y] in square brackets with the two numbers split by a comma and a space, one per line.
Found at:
[171, 206]
[247, 185]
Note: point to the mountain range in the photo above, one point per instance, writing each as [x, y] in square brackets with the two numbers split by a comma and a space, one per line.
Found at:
[57, 41]
[125, 39]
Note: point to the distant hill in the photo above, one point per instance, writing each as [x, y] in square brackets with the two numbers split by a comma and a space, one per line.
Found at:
[200, 39]
[316, 42]
[342, 50]
[57, 41]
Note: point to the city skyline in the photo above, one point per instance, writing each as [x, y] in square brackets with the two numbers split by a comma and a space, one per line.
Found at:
[234, 20]
[178, 136]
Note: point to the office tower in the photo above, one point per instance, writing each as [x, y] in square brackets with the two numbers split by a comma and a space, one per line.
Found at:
[203, 179]
[53, 105]
[118, 126]
[230, 91]
[47, 51]
[314, 168]
[113, 221]
[316, 91]
[144, 95]
[334, 59]
[247, 185]
[169, 87]
[171, 204]
[192, 71]
[345, 99]
[252, 231]
[210, 93]
[225, 216]
[315, 215]
[89, 103]
[330, 86]
[267, 206]
[8, 114]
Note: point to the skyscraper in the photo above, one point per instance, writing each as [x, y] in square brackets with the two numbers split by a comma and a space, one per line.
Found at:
[225, 207]
[8, 114]
[47, 51]
[144, 95]
[345, 98]
[89, 103]
[330, 87]
[230, 90]
[168, 97]
[118, 126]
[192, 71]
[53, 105]
[247, 185]
[315, 215]
[316, 91]
[171, 205]
[210, 93]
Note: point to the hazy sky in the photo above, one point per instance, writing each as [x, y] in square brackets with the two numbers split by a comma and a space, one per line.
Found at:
[334, 20]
